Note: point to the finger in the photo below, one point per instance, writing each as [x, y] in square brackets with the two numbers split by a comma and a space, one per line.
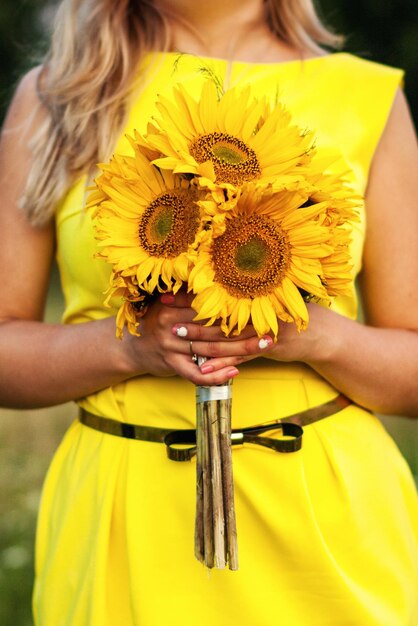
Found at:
[215, 365]
[180, 299]
[220, 349]
[163, 318]
[185, 368]
[198, 332]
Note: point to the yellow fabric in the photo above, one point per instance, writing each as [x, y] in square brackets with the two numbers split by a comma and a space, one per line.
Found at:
[327, 535]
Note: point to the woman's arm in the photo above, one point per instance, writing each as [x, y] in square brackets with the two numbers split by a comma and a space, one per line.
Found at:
[39, 364]
[43, 364]
[375, 364]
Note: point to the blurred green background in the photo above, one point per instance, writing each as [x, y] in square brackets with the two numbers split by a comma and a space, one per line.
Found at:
[383, 30]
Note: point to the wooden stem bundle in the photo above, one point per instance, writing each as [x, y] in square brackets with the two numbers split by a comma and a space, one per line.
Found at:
[215, 527]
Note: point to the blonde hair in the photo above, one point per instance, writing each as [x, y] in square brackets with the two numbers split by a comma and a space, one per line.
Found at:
[90, 71]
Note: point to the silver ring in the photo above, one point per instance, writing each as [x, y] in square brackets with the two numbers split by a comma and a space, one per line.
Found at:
[194, 355]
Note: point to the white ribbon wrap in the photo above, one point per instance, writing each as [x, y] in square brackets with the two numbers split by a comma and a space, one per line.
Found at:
[215, 392]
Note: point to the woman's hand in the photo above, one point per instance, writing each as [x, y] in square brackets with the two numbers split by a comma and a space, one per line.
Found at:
[169, 338]
[308, 346]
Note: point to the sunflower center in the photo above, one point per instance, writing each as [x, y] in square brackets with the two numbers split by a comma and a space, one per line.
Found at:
[251, 257]
[228, 155]
[169, 224]
[233, 161]
[162, 223]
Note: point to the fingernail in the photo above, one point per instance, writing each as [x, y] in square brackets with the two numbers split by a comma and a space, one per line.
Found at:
[232, 372]
[206, 368]
[265, 342]
[167, 298]
[180, 331]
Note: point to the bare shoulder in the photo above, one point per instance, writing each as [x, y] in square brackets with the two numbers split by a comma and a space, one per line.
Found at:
[25, 251]
[28, 83]
[391, 249]
[395, 163]
[25, 109]
[399, 130]
[25, 117]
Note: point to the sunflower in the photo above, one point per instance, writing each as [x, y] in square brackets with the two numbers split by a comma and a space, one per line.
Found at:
[131, 303]
[145, 222]
[265, 255]
[329, 178]
[338, 270]
[226, 140]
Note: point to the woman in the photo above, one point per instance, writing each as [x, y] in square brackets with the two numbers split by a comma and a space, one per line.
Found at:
[327, 535]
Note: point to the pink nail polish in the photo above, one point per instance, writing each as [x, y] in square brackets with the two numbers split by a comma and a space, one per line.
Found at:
[167, 298]
[232, 372]
[206, 368]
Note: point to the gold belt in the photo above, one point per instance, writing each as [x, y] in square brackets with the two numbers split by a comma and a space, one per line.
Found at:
[290, 427]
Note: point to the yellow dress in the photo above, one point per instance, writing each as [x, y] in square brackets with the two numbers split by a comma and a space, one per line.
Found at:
[327, 535]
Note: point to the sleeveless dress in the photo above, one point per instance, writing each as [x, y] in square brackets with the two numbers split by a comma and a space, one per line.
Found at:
[327, 536]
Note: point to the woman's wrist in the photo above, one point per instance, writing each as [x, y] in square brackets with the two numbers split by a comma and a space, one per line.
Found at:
[320, 343]
[328, 333]
[129, 360]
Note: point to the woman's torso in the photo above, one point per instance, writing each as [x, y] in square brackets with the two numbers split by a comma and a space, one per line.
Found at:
[346, 101]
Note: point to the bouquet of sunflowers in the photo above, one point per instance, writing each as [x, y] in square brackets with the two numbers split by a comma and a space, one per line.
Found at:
[242, 211]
